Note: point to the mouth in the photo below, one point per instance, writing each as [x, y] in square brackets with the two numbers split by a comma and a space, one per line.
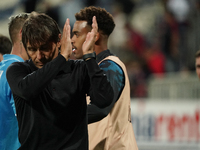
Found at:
[39, 63]
[73, 48]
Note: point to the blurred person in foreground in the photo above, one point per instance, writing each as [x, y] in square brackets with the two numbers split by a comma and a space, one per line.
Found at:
[197, 63]
[49, 89]
[115, 131]
[8, 121]
[5, 46]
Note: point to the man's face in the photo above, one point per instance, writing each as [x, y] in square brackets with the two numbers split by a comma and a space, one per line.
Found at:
[43, 53]
[79, 32]
[197, 65]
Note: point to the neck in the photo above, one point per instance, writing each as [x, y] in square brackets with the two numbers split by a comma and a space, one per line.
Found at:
[101, 45]
[1, 57]
[17, 49]
[100, 48]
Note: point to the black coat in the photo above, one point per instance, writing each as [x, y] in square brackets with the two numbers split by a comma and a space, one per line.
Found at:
[51, 102]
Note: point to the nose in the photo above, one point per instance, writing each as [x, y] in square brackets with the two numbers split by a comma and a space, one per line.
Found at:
[72, 39]
[39, 54]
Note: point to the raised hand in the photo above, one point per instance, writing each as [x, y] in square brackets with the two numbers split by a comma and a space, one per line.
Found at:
[66, 47]
[88, 45]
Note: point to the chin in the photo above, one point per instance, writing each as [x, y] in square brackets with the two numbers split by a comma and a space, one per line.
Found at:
[39, 67]
[75, 56]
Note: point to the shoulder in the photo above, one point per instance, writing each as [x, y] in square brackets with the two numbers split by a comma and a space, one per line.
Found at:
[110, 65]
[12, 58]
[109, 62]
[9, 59]
[18, 66]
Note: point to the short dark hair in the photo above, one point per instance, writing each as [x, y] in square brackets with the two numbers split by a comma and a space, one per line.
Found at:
[5, 45]
[40, 28]
[104, 19]
[15, 25]
[197, 54]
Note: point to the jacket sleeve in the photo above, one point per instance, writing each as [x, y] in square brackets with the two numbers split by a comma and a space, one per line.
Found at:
[101, 93]
[27, 84]
[116, 77]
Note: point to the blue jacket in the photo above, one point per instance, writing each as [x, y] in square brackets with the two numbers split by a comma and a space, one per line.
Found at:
[8, 121]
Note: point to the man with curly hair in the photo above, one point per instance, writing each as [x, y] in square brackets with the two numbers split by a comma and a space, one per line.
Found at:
[110, 128]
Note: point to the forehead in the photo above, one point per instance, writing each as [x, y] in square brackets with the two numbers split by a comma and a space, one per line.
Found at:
[198, 60]
[37, 45]
[80, 25]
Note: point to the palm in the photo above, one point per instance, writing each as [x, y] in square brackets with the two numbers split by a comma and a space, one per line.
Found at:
[88, 45]
[66, 47]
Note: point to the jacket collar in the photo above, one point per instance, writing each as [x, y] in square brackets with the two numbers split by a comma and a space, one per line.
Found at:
[103, 55]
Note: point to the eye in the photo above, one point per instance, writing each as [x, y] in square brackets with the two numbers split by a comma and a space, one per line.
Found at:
[76, 34]
[32, 49]
[46, 47]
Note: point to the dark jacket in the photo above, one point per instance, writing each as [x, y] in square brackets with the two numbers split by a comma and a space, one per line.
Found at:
[51, 102]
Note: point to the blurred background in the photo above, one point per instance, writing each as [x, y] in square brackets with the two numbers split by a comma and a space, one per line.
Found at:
[157, 40]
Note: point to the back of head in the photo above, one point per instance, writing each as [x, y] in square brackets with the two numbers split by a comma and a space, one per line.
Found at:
[104, 19]
[15, 25]
[39, 29]
[5, 45]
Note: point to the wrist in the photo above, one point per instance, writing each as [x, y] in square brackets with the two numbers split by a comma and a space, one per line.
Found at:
[66, 57]
[89, 56]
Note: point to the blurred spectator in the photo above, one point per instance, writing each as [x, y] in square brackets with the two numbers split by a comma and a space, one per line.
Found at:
[48, 7]
[127, 6]
[67, 10]
[169, 36]
[197, 63]
[180, 10]
[30, 5]
[154, 58]
[135, 41]
[137, 78]
[118, 45]
[193, 32]
[107, 4]
[5, 46]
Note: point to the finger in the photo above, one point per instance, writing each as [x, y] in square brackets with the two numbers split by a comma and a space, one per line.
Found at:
[68, 28]
[64, 29]
[91, 36]
[95, 26]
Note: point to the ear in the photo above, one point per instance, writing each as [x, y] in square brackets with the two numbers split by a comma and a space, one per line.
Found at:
[59, 40]
[20, 34]
[97, 37]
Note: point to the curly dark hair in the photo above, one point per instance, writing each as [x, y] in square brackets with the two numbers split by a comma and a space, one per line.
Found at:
[40, 28]
[104, 19]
